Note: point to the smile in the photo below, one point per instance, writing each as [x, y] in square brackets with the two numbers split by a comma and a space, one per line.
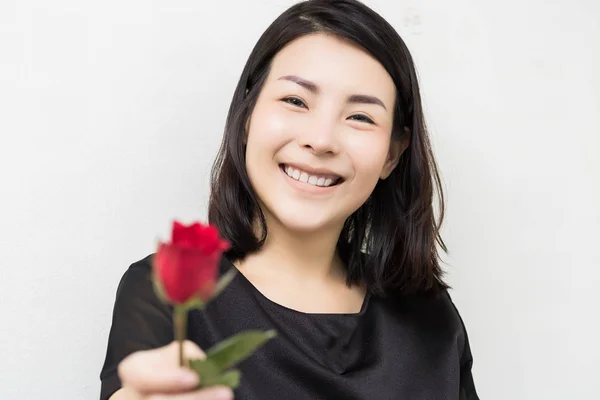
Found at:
[310, 179]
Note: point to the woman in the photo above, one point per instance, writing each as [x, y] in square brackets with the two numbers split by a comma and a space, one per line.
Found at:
[324, 186]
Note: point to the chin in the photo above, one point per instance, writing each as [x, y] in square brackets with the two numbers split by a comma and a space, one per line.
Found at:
[303, 221]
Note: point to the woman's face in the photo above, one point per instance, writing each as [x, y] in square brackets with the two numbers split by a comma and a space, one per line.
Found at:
[324, 116]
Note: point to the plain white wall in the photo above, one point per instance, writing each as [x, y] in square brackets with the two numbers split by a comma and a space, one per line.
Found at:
[111, 113]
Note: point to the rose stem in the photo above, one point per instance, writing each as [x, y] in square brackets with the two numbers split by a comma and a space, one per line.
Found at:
[179, 316]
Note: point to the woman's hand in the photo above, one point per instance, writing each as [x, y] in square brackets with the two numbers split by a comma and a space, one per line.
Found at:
[156, 375]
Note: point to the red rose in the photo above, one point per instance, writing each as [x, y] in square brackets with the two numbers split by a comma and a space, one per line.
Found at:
[187, 267]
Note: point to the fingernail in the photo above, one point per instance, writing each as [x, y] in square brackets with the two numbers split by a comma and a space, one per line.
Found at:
[224, 394]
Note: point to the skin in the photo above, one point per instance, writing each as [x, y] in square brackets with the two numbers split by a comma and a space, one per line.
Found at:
[315, 124]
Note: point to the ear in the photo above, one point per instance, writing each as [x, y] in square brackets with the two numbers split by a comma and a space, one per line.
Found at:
[397, 147]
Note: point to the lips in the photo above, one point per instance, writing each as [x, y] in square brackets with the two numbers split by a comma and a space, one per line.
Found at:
[310, 170]
[316, 177]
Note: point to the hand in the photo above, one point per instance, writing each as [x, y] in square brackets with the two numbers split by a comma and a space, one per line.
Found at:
[156, 375]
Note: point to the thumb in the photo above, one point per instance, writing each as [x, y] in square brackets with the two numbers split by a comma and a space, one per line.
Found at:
[190, 350]
[158, 370]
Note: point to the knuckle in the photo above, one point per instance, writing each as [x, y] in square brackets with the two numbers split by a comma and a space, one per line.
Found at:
[192, 349]
[124, 367]
[128, 369]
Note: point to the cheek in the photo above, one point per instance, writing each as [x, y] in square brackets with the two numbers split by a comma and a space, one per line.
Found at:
[368, 151]
[269, 131]
[269, 127]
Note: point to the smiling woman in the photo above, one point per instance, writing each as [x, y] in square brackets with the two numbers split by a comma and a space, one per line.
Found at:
[324, 186]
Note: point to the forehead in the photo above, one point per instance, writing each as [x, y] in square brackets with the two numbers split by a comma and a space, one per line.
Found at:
[333, 64]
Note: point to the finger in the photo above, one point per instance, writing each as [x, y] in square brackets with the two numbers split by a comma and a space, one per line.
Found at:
[190, 350]
[158, 371]
[213, 393]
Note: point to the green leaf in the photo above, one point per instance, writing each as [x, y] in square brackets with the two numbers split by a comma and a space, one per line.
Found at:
[231, 378]
[237, 348]
[206, 370]
[213, 369]
[209, 376]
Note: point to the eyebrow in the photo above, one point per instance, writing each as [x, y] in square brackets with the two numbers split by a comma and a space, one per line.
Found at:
[353, 99]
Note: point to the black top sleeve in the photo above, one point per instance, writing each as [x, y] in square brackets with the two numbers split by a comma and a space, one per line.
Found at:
[467, 385]
[140, 321]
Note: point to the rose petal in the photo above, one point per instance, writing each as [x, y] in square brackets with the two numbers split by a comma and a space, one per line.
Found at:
[188, 266]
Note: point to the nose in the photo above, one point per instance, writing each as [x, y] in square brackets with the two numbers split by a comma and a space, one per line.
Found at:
[321, 137]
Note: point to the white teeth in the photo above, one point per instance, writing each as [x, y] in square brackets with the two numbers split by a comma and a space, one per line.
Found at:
[306, 178]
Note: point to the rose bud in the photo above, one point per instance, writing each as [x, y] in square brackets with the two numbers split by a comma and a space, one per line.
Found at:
[187, 267]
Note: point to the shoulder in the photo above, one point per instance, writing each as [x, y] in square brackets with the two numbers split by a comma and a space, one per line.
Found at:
[140, 268]
[135, 289]
[432, 315]
[440, 308]
[138, 274]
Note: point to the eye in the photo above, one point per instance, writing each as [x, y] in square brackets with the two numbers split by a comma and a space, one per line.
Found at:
[362, 118]
[294, 101]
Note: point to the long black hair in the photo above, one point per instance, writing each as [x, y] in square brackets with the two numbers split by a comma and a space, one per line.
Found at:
[391, 242]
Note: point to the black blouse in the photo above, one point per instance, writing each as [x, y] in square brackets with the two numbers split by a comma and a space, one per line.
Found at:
[404, 348]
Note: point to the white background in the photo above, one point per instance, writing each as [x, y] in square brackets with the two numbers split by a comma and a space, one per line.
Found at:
[111, 113]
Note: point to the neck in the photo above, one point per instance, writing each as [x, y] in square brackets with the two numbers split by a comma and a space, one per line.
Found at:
[305, 255]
